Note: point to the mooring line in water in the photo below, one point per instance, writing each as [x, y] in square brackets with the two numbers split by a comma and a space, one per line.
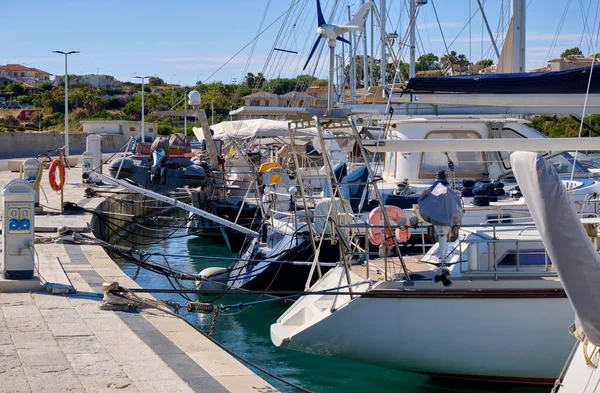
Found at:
[156, 304]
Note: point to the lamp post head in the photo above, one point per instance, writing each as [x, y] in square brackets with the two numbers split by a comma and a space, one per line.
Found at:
[65, 53]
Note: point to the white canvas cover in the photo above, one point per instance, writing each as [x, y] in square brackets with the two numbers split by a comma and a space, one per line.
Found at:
[566, 241]
[253, 128]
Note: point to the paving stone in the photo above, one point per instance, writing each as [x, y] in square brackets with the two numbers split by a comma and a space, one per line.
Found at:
[80, 344]
[38, 339]
[29, 310]
[43, 356]
[26, 324]
[148, 371]
[9, 358]
[49, 302]
[52, 379]
[95, 364]
[219, 363]
[107, 384]
[245, 383]
[171, 386]
[159, 343]
[13, 380]
[16, 299]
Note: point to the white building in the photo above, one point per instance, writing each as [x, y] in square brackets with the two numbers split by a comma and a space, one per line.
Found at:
[94, 80]
[28, 75]
[123, 127]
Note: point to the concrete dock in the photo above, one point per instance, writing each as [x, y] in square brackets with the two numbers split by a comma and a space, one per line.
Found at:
[66, 343]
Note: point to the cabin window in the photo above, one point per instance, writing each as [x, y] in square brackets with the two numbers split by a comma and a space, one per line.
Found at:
[466, 164]
[527, 258]
[505, 155]
[255, 103]
[301, 103]
[132, 129]
[266, 102]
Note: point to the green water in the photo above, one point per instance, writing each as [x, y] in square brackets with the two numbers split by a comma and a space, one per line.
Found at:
[247, 333]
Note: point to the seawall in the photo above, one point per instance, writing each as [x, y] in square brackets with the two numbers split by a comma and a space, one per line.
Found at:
[30, 144]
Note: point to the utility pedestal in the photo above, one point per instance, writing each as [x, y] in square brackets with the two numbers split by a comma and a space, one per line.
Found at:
[32, 172]
[18, 230]
[93, 145]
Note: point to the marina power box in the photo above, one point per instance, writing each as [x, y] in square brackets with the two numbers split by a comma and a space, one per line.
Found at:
[18, 230]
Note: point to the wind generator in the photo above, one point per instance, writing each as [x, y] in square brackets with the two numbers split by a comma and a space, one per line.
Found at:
[332, 33]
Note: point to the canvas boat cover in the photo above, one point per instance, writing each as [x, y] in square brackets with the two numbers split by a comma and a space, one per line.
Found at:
[566, 241]
[573, 81]
[439, 205]
[253, 128]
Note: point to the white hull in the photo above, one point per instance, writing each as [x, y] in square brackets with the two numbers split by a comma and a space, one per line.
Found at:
[514, 339]
[581, 378]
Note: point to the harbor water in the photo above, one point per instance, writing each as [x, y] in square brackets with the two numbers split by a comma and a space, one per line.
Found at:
[246, 331]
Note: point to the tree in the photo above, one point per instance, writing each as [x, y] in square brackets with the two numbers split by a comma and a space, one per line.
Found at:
[462, 60]
[597, 56]
[250, 80]
[572, 51]
[447, 59]
[485, 63]
[155, 81]
[427, 62]
[14, 89]
[260, 80]
[46, 86]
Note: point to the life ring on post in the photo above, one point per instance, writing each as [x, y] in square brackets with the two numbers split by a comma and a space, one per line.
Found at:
[397, 217]
[54, 166]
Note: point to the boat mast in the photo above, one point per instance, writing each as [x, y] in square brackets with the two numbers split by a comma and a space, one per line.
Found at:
[382, 14]
[365, 59]
[518, 37]
[413, 26]
[352, 60]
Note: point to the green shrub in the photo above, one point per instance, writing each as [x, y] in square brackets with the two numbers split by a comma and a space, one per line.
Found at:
[164, 129]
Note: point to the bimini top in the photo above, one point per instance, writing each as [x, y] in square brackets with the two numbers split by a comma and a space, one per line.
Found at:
[253, 128]
[573, 81]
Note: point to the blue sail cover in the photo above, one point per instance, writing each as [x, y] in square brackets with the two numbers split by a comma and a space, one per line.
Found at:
[573, 81]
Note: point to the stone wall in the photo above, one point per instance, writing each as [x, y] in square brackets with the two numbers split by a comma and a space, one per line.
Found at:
[30, 144]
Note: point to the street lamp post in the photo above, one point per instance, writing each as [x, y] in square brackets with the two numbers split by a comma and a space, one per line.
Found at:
[142, 78]
[66, 98]
[131, 74]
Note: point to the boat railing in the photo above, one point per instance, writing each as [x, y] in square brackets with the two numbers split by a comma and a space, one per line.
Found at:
[503, 256]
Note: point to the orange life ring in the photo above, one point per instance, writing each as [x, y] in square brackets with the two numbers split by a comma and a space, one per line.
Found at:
[56, 164]
[377, 236]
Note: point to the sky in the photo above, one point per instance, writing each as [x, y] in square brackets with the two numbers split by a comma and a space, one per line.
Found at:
[183, 41]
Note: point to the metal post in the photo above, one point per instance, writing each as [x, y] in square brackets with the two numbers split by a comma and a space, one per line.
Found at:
[413, 27]
[372, 58]
[185, 114]
[143, 112]
[331, 44]
[66, 98]
[365, 59]
[352, 58]
[383, 42]
[143, 109]
[66, 115]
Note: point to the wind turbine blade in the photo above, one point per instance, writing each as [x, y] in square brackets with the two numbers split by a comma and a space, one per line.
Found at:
[359, 18]
[342, 39]
[312, 51]
[320, 18]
